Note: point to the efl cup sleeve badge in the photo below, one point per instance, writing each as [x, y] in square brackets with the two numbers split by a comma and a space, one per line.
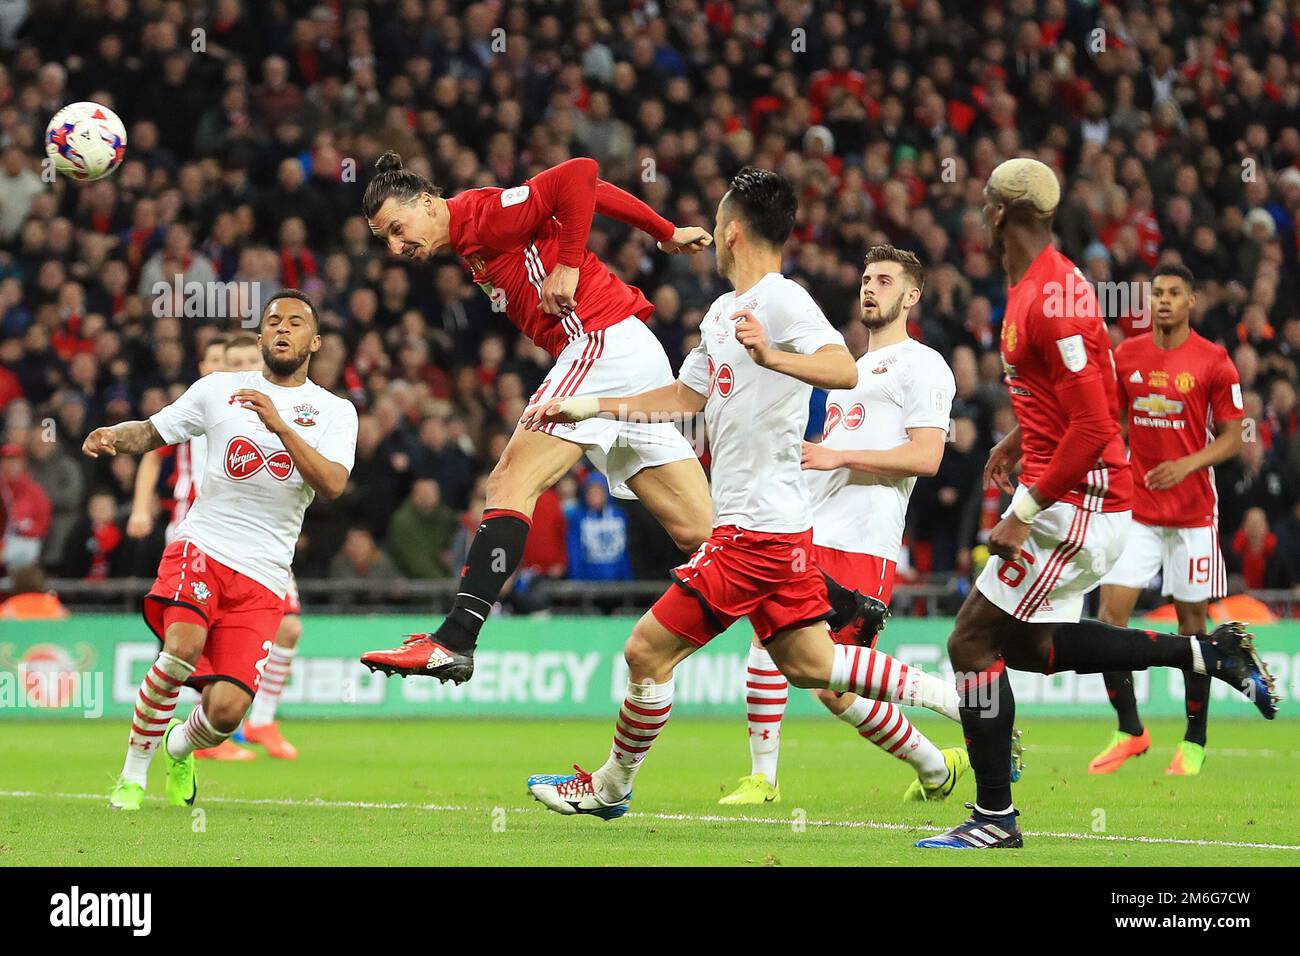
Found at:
[305, 415]
[1073, 352]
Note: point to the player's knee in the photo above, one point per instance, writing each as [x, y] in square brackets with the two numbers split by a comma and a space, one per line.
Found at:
[290, 631]
[802, 674]
[644, 655]
[184, 642]
[225, 710]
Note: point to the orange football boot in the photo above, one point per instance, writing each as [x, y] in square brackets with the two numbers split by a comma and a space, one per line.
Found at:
[226, 750]
[1122, 746]
[269, 736]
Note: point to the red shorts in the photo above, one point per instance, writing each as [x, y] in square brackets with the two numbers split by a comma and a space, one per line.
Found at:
[241, 615]
[770, 578]
[872, 575]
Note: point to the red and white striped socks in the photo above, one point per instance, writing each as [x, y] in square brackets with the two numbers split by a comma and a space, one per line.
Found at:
[643, 715]
[885, 725]
[197, 733]
[274, 676]
[766, 693]
[871, 673]
[154, 706]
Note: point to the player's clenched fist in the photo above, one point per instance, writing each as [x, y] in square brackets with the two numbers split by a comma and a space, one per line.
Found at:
[261, 403]
[102, 441]
[687, 239]
[576, 409]
[751, 334]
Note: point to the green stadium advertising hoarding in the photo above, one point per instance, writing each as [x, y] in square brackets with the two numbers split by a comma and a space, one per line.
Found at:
[91, 666]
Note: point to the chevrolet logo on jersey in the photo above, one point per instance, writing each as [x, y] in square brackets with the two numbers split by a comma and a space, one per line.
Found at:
[1157, 405]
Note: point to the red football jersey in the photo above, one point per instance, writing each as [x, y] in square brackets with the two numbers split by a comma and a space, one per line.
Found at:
[1061, 375]
[1172, 398]
[512, 238]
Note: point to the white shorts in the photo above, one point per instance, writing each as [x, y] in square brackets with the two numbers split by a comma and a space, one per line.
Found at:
[624, 359]
[1067, 553]
[1188, 560]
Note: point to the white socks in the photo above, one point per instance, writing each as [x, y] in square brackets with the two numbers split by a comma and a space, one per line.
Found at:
[278, 664]
[154, 706]
[643, 715]
[885, 725]
[197, 733]
[766, 693]
[874, 674]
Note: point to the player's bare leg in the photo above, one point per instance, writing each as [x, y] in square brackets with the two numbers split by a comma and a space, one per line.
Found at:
[262, 727]
[677, 494]
[987, 640]
[1130, 739]
[652, 653]
[532, 462]
[155, 704]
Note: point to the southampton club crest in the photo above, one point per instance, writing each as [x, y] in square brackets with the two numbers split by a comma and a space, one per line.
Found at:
[305, 415]
[201, 591]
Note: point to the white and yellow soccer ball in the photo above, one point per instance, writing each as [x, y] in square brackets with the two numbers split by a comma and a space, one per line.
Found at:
[85, 141]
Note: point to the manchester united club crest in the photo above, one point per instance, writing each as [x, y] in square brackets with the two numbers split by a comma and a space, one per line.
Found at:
[1009, 337]
[1184, 382]
[305, 415]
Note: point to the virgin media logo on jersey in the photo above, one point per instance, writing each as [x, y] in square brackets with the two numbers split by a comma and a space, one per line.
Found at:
[854, 416]
[834, 415]
[725, 380]
[244, 459]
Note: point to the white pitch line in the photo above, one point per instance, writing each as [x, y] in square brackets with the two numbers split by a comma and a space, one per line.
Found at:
[666, 817]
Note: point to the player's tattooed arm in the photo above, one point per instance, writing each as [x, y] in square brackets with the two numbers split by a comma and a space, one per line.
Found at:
[131, 438]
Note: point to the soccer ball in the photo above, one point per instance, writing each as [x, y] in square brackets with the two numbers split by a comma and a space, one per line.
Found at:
[85, 141]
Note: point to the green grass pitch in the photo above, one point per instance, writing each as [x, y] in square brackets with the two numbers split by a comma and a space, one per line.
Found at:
[452, 792]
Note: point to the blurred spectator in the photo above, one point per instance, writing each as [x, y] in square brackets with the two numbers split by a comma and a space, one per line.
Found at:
[546, 551]
[25, 507]
[598, 535]
[1253, 553]
[361, 560]
[60, 476]
[94, 548]
[420, 533]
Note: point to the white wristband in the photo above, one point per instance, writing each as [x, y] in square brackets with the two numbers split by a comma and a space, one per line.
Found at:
[1023, 505]
[580, 408]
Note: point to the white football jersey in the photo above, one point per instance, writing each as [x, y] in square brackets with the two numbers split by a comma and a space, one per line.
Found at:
[902, 386]
[249, 510]
[756, 417]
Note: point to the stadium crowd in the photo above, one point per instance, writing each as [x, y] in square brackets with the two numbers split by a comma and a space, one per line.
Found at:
[1175, 127]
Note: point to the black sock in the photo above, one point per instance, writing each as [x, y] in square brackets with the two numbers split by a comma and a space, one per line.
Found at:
[1197, 702]
[1119, 688]
[495, 553]
[1091, 647]
[843, 602]
[988, 714]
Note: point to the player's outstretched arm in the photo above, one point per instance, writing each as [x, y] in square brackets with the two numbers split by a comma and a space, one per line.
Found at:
[920, 455]
[130, 438]
[664, 403]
